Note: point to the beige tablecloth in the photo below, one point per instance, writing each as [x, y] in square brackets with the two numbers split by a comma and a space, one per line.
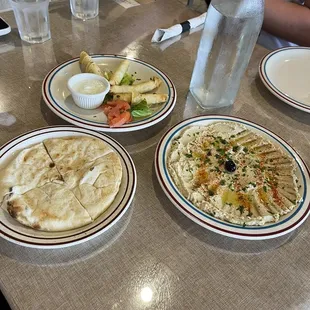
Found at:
[155, 257]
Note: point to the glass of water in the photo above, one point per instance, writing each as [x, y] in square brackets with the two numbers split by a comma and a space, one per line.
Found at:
[32, 20]
[84, 9]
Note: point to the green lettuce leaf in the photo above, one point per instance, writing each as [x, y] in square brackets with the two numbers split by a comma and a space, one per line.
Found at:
[127, 79]
[140, 109]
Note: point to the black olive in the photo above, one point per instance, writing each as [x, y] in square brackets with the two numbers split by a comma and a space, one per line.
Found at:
[230, 166]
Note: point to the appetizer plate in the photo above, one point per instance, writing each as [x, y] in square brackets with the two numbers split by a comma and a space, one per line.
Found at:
[58, 98]
[287, 222]
[286, 73]
[15, 232]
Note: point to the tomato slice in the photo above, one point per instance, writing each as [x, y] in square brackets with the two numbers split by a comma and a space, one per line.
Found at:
[120, 120]
[117, 112]
[119, 103]
[107, 109]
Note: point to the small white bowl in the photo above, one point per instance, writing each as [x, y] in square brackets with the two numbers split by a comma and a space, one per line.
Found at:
[87, 101]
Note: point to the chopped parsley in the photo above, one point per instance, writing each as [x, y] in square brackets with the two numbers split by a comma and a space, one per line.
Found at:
[236, 148]
[221, 151]
[241, 209]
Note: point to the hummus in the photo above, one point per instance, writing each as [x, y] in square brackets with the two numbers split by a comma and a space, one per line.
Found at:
[233, 174]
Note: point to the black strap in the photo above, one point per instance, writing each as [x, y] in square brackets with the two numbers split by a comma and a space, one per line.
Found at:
[185, 26]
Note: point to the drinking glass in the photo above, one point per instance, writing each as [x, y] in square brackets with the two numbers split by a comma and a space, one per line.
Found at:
[84, 9]
[32, 20]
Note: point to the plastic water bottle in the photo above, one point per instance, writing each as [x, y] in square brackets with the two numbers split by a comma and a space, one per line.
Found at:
[230, 32]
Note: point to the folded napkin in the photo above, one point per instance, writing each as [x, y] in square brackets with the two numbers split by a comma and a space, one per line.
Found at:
[165, 34]
[165, 44]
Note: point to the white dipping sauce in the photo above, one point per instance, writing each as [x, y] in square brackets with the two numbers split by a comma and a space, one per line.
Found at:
[89, 87]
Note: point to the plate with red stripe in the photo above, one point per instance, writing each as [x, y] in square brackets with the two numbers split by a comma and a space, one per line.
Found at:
[286, 74]
[284, 225]
[58, 97]
[15, 232]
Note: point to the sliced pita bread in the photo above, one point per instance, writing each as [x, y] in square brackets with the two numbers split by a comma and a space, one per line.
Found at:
[97, 185]
[90, 168]
[72, 153]
[62, 184]
[51, 207]
[30, 169]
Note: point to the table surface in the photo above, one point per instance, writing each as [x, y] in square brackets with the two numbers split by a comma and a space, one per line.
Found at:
[154, 257]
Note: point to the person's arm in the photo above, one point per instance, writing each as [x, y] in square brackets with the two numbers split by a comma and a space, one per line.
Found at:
[288, 21]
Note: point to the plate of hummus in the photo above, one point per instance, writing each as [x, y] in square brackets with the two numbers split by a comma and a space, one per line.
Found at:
[61, 186]
[233, 177]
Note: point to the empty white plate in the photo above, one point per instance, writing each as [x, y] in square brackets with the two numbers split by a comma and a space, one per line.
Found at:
[286, 73]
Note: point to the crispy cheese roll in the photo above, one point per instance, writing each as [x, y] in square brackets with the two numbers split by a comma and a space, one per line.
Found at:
[143, 87]
[150, 98]
[118, 75]
[84, 55]
[85, 59]
[121, 89]
[93, 68]
[124, 96]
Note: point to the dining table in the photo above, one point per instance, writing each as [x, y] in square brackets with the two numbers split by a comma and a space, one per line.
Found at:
[154, 257]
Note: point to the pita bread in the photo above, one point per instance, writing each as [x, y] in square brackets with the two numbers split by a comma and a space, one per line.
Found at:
[72, 153]
[30, 169]
[51, 207]
[62, 184]
[90, 168]
[97, 186]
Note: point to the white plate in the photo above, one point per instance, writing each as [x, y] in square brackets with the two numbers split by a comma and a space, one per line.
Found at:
[13, 231]
[58, 98]
[287, 223]
[286, 73]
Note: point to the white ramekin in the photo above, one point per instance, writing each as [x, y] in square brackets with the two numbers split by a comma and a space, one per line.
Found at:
[87, 101]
